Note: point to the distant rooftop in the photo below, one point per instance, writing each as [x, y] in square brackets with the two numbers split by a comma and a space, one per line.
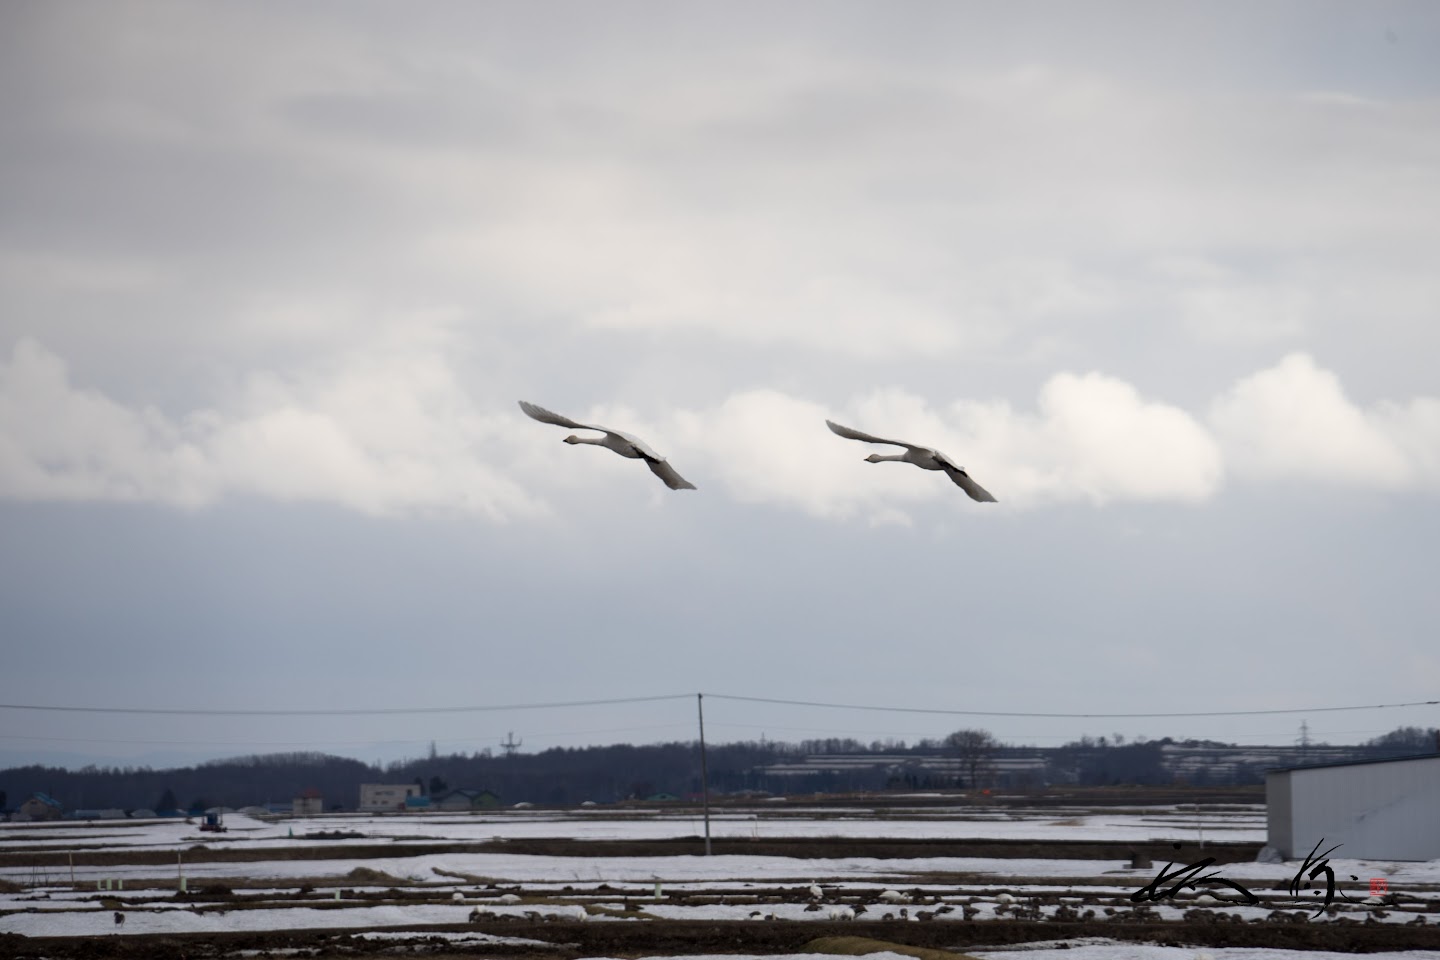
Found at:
[1357, 763]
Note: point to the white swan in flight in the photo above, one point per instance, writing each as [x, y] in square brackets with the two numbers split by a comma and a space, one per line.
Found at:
[621, 443]
[923, 457]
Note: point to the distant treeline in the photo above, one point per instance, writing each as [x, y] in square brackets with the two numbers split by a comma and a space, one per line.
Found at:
[610, 773]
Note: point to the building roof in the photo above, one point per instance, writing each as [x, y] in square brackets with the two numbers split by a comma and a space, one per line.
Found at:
[1356, 763]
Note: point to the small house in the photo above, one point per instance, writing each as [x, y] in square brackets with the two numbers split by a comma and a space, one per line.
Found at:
[40, 806]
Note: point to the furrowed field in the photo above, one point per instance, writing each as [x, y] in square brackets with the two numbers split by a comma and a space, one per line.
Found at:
[915, 874]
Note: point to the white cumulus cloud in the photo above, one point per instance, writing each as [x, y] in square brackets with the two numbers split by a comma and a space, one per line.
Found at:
[388, 429]
[1294, 421]
[1095, 438]
[1091, 438]
[58, 442]
[378, 433]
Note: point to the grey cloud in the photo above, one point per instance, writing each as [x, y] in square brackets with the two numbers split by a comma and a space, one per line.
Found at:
[272, 277]
[769, 193]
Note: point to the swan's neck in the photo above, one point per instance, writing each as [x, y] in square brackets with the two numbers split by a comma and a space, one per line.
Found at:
[595, 440]
[881, 457]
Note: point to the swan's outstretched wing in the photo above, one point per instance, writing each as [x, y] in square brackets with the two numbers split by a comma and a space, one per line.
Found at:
[662, 469]
[850, 434]
[536, 412]
[963, 481]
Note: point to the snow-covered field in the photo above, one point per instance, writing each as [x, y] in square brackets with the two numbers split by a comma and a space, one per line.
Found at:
[292, 885]
[924, 824]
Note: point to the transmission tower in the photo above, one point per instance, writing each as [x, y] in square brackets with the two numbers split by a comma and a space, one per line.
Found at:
[510, 745]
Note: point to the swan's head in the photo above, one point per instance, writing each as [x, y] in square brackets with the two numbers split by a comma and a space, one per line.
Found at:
[572, 439]
[874, 458]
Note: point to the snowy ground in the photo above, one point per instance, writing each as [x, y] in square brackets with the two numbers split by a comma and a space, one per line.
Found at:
[335, 892]
[927, 824]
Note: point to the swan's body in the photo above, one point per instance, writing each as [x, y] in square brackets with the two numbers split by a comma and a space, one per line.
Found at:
[926, 458]
[622, 443]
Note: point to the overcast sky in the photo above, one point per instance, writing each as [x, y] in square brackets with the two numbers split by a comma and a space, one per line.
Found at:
[1162, 277]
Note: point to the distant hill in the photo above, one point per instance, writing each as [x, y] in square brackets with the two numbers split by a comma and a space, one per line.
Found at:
[563, 776]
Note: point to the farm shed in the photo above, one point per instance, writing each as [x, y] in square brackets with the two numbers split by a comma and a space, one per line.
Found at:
[110, 813]
[468, 800]
[40, 806]
[1375, 809]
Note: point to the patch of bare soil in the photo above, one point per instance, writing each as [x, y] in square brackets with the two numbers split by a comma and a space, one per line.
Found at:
[679, 938]
[798, 847]
[368, 875]
[885, 848]
[860, 946]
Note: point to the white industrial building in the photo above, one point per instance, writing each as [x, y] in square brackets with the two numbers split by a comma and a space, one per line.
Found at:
[1374, 809]
[380, 797]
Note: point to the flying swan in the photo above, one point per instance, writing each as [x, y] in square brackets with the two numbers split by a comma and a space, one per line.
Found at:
[621, 443]
[923, 457]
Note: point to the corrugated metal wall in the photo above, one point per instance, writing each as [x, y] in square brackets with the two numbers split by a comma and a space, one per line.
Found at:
[1376, 811]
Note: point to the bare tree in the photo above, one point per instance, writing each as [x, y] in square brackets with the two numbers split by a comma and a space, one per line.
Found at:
[973, 748]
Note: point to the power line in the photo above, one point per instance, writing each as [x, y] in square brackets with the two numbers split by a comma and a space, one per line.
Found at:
[357, 712]
[398, 711]
[1069, 716]
[228, 743]
[320, 742]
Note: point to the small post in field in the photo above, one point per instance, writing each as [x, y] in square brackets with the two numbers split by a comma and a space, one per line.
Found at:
[704, 771]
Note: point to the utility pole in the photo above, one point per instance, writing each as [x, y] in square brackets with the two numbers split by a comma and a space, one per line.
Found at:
[510, 745]
[704, 770]
[1304, 738]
